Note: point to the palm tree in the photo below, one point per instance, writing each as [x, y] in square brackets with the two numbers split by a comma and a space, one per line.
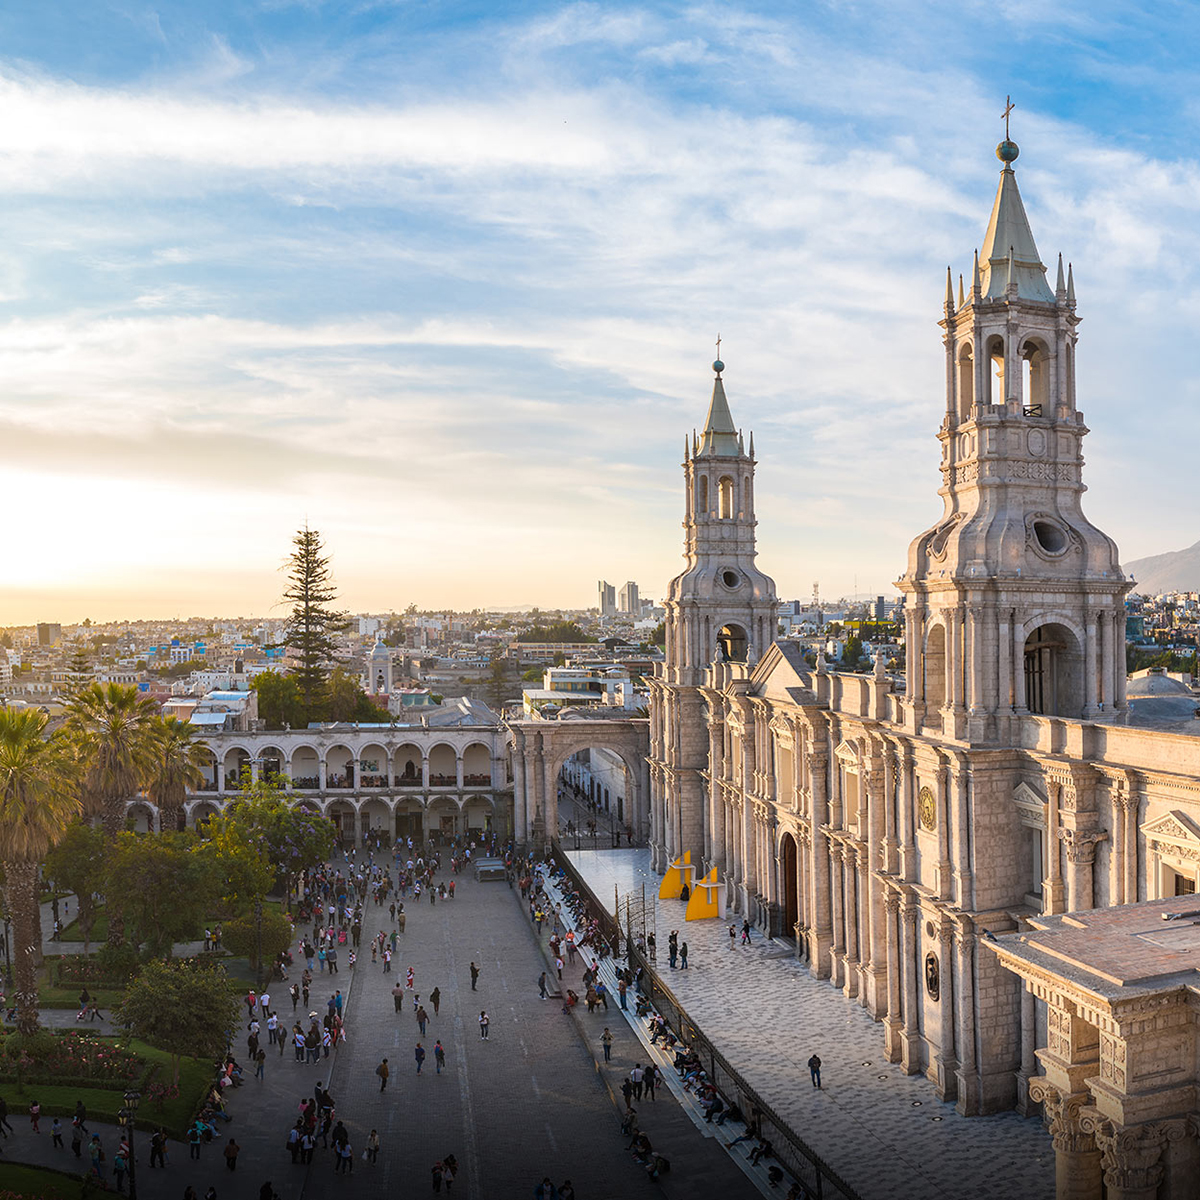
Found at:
[178, 765]
[38, 802]
[112, 728]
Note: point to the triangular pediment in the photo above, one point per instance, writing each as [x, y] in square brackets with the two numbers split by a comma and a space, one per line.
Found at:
[847, 753]
[777, 673]
[1028, 796]
[1174, 828]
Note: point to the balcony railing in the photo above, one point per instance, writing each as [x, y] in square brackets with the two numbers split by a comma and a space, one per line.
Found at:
[307, 782]
[374, 781]
[482, 780]
[443, 781]
[407, 780]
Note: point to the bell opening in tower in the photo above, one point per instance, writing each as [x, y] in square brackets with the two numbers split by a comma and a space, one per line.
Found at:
[1053, 672]
[731, 644]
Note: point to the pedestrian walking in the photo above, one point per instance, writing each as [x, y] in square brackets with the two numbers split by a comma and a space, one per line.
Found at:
[732, 937]
[542, 985]
[484, 1022]
[158, 1149]
[745, 933]
[383, 1071]
[232, 1149]
[260, 1062]
[77, 1141]
[650, 1080]
[398, 996]
[439, 1056]
[120, 1166]
[683, 956]
[193, 1136]
[409, 978]
[814, 1069]
[606, 1039]
[637, 1077]
[372, 1152]
[35, 1115]
[474, 976]
[344, 1154]
[435, 998]
[56, 1138]
[558, 966]
[419, 1055]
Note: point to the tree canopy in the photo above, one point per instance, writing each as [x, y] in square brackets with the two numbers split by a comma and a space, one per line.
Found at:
[559, 631]
[313, 621]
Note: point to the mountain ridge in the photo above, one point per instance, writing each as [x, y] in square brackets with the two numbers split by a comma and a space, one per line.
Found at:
[1174, 571]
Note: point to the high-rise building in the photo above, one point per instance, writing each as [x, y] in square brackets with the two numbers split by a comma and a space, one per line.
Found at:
[629, 602]
[49, 634]
[608, 599]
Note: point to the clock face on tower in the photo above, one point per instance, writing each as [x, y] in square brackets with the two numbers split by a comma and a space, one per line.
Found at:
[927, 809]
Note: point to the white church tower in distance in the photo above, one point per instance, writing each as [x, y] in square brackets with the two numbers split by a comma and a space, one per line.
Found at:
[1014, 600]
[722, 608]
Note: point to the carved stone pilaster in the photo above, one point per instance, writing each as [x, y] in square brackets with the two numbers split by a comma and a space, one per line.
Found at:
[1064, 1115]
[1081, 844]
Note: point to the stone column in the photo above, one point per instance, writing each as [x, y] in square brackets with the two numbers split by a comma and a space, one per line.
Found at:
[1081, 861]
[837, 952]
[944, 877]
[424, 770]
[947, 1063]
[1077, 1173]
[1091, 668]
[1131, 803]
[906, 819]
[820, 917]
[890, 846]
[1052, 885]
[895, 971]
[1018, 667]
[975, 701]
[953, 660]
[1108, 629]
[910, 1051]
[1004, 656]
[960, 781]
[322, 772]
[850, 875]
[969, 1104]
[1029, 1064]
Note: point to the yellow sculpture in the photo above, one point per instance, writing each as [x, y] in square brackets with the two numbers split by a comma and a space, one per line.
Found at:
[680, 872]
[705, 899]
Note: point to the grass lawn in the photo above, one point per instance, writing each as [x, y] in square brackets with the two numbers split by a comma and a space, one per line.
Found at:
[97, 936]
[39, 1183]
[195, 1075]
[53, 995]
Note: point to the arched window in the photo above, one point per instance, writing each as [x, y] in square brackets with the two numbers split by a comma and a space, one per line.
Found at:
[966, 381]
[1054, 672]
[725, 491]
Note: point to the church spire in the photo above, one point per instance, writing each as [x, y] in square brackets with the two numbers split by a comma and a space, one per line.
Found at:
[719, 435]
[1008, 233]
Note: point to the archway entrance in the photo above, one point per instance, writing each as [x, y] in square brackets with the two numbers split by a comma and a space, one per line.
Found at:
[791, 897]
[593, 805]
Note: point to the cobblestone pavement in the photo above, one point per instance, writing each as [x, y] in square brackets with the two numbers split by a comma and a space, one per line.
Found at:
[529, 1101]
[887, 1134]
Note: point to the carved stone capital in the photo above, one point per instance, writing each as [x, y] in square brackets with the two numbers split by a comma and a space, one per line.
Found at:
[1064, 1115]
[891, 902]
[1129, 1154]
[1081, 844]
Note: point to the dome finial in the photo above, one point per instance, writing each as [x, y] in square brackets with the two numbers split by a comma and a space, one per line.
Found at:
[1008, 150]
[718, 365]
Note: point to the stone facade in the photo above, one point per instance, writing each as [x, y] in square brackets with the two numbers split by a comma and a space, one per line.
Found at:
[886, 826]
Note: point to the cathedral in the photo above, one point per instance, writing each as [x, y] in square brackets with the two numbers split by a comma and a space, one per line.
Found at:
[924, 841]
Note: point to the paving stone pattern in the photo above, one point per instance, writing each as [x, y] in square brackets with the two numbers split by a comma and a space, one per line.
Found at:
[530, 1101]
[887, 1134]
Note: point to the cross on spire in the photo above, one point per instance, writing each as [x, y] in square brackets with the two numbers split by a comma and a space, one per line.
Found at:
[718, 345]
[1009, 106]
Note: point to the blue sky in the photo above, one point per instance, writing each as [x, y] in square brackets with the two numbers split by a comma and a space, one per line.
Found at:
[443, 280]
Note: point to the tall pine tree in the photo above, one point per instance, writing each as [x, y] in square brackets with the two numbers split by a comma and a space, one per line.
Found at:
[313, 621]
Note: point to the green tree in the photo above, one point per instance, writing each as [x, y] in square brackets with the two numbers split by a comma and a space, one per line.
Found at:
[38, 802]
[112, 728]
[279, 703]
[560, 631]
[313, 621]
[177, 765]
[852, 652]
[160, 888]
[658, 635]
[185, 1007]
[78, 864]
[244, 936]
[288, 838]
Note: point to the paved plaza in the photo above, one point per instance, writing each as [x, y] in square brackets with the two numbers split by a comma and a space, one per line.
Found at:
[887, 1134]
[530, 1101]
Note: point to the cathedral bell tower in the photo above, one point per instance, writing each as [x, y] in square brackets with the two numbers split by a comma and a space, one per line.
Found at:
[722, 607]
[1014, 599]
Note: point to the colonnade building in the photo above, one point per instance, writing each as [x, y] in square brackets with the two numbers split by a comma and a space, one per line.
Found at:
[899, 829]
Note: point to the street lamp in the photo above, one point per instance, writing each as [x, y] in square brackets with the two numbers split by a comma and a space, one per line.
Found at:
[127, 1116]
[8, 975]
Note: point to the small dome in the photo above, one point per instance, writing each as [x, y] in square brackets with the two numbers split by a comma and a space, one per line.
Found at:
[718, 366]
[1007, 151]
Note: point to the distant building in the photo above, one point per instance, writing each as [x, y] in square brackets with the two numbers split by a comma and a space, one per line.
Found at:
[629, 602]
[608, 599]
[49, 634]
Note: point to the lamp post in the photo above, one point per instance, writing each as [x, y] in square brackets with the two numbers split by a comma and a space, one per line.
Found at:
[258, 942]
[8, 975]
[127, 1116]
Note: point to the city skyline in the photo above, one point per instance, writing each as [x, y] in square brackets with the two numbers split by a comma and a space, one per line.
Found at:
[445, 283]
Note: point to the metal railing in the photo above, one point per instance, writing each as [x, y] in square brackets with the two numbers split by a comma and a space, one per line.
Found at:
[789, 1151]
